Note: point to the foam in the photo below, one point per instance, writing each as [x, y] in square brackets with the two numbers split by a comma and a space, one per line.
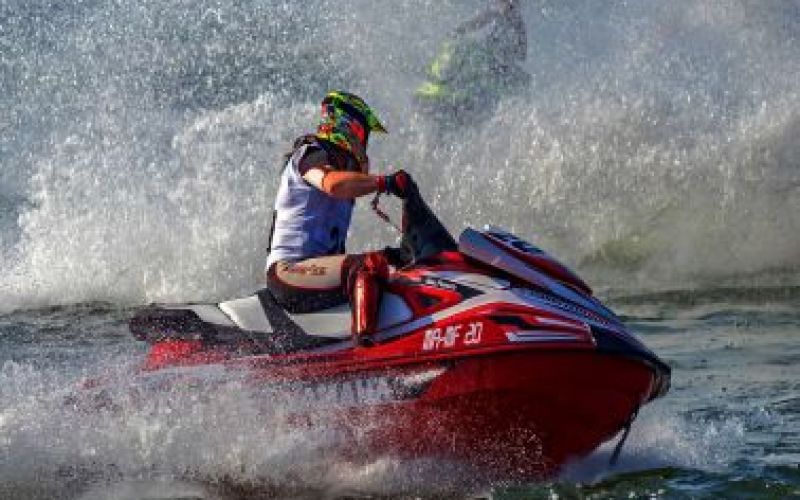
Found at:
[663, 438]
[53, 436]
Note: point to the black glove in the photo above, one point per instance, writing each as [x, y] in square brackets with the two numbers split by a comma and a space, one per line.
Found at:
[396, 184]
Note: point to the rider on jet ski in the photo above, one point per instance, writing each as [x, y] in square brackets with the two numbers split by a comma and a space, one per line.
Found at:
[307, 267]
[507, 40]
[475, 66]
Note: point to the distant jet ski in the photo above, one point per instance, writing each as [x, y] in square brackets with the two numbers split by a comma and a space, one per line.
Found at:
[489, 351]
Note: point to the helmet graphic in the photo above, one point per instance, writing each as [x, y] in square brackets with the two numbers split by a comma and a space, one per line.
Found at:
[354, 106]
[347, 122]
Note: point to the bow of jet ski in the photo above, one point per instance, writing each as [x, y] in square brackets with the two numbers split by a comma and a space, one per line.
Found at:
[489, 351]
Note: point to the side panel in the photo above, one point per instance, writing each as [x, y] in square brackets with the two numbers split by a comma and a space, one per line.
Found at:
[247, 313]
[480, 247]
[333, 322]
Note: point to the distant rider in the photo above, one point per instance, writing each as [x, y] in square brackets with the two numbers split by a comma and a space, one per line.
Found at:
[507, 39]
[307, 267]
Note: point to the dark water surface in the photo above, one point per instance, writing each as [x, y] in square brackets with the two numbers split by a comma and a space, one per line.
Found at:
[729, 428]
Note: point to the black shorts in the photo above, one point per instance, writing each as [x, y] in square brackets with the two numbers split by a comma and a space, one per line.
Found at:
[312, 284]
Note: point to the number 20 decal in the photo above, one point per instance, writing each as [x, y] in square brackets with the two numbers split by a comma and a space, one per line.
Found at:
[466, 334]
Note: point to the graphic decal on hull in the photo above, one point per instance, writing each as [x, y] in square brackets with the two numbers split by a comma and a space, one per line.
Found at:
[563, 305]
[543, 336]
[370, 390]
[448, 337]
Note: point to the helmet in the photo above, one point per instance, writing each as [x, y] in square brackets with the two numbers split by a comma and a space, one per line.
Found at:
[346, 122]
[354, 106]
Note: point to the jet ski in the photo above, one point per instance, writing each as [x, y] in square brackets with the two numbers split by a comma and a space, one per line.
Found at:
[489, 352]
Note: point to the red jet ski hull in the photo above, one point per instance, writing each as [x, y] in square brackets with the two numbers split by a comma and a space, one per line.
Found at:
[512, 412]
[520, 414]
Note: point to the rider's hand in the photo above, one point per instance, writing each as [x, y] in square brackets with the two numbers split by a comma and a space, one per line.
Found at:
[396, 184]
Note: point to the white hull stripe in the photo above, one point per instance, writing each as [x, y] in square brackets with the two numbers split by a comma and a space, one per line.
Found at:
[541, 336]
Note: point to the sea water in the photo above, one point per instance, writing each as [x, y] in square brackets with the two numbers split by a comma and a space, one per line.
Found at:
[655, 151]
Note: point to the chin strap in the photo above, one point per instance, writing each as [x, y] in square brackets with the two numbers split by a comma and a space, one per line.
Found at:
[381, 214]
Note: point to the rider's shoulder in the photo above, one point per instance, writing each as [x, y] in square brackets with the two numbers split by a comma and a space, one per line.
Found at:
[311, 156]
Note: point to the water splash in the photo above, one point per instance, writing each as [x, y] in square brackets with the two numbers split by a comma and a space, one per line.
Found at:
[57, 436]
[661, 438]
[654, 147]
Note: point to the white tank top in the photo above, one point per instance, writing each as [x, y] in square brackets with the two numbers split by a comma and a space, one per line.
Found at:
[308, 222]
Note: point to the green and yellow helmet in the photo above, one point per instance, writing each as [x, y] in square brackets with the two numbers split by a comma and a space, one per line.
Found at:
[347, 122]
[355, 106]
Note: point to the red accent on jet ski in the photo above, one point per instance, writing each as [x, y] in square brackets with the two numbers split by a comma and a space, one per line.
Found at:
[424, 300]
[182, 353]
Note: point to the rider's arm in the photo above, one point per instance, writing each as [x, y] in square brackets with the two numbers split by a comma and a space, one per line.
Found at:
[341, 185]
[316, 169]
